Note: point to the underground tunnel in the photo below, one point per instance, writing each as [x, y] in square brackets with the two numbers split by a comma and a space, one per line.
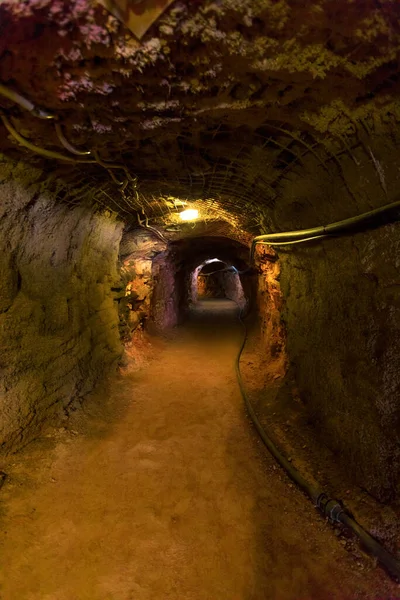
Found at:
[199, 300]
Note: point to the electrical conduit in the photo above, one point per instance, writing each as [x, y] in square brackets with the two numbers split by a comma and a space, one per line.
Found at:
[368, 219]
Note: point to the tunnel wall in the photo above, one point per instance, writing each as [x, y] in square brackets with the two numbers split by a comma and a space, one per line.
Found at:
[58, 318]
[167, 296]
[234, 289]
[210, 286]
[269, 303]
[137, 250]
[225, 284]
[342, 317]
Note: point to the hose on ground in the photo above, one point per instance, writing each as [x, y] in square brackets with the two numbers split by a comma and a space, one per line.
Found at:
[330, 508]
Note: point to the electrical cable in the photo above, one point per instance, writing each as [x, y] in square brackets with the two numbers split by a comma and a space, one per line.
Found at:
[156, 232]
[330, 508]
[231, 268]
[67, 144]
[107, 165]
[144, 224]
[323, 231]
[39, 149]
[44, 114]
[224, 270]
[25, 103]
[309, 239]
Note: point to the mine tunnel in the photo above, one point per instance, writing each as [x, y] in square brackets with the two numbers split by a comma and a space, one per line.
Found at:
[199, 300]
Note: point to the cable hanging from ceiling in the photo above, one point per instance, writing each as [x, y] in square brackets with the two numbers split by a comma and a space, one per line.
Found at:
[41, 113]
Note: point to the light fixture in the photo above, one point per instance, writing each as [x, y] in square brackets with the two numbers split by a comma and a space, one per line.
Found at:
[189, 215]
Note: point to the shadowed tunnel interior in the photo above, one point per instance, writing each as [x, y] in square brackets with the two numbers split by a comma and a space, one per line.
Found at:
[179, 181]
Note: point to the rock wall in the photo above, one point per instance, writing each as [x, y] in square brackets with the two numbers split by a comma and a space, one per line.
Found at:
[58, 316]
[233, 288]
[226, 284]
[211, 286]
[342, 316]
[167, 300]
[137, 251]
[269, 303]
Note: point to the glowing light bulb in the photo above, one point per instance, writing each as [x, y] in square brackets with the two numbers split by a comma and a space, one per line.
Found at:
[189, 215]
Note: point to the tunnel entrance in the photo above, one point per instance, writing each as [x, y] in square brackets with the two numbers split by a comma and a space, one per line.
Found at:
[163, 280]
[216, 279]
[210, 279]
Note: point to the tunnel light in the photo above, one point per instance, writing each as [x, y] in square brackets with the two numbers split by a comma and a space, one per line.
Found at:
[189, 215]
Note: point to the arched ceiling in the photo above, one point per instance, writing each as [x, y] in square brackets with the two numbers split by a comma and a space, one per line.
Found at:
[219, 101]
[190, 253]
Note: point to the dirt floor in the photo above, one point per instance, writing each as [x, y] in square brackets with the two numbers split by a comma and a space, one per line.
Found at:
[163, 491]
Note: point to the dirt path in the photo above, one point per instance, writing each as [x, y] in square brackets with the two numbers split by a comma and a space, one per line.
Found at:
[171, 498]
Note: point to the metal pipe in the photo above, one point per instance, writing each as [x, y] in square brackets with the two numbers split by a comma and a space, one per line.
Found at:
[25, 103]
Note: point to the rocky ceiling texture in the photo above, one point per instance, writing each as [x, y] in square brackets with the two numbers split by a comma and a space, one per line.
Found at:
[221, 99]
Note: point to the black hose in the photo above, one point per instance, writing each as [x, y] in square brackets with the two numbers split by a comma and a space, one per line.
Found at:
[328, 507]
